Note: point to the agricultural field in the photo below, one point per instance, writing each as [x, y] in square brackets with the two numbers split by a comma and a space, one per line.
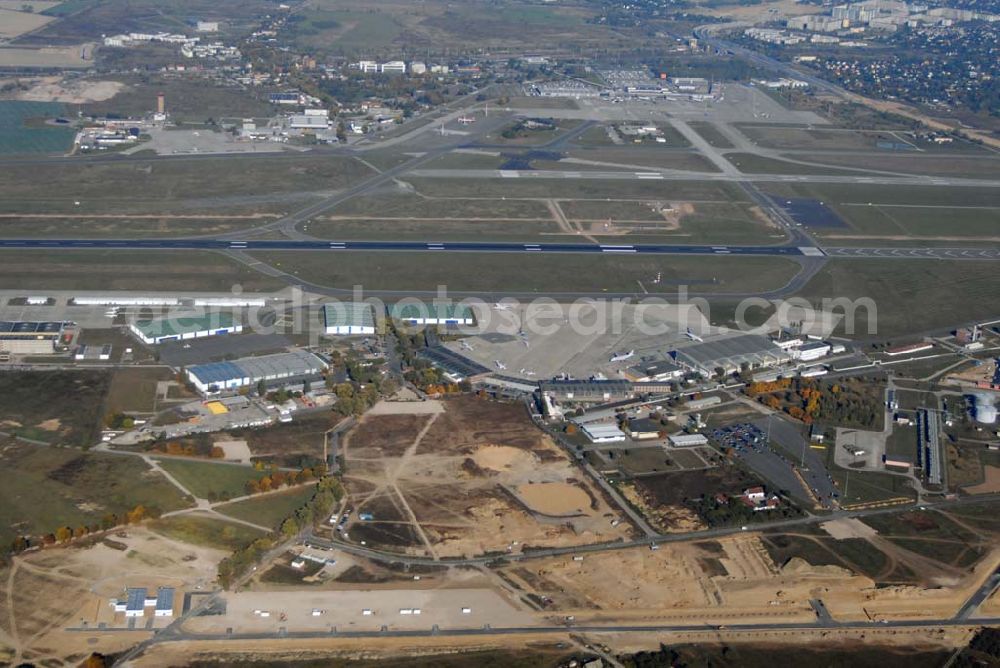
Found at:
[528, 274]
[56, 407]
[211, 480]
[87, 20]
[14, 23]
[138, 270]
[346, 27]
[473, 477]
[23, 128]
[47, 487]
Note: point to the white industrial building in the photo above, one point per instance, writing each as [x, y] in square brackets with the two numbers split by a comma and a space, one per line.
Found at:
[184, 327]
[348, 318]
[292, 367]
[422, 313]
[308, 122]
[730, 354]
[687, 440]
[813, 350]
[393, 67]
[117, 300]
[603, 433]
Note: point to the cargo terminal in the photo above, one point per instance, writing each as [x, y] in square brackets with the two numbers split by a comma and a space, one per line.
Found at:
[287, 369]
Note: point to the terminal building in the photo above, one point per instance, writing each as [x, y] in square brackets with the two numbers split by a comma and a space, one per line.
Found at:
[422, 313]
[184, 327]
[348, 318]
[280, 369]
[20, 337]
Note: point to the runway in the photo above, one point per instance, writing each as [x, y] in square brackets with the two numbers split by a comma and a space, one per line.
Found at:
[410, 246]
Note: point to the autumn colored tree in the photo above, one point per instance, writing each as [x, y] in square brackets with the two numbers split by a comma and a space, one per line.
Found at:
[252, 487]
[63, 534]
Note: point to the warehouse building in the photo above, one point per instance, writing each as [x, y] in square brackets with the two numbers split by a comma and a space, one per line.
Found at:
[284, 369]
[603, 433]
[587, 390]
[164, 602]
[348, 318]
[19, 337]
[730, 354]
[184, 327]
[422, 313]
[687, 440]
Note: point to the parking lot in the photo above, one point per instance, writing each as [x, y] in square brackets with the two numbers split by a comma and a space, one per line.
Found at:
[774, 451]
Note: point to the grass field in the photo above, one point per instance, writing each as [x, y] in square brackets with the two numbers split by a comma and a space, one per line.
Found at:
[206, 532]
[501, 272]
[164, 185]
[45, 488]
[59, 407]
[188, 99]
[271, 509]
[750, 163]
[579, 189]
[134, 390]
[135, 270]
[892, 221]
[202, 478]
[652, 156]
[16, 137]
[711, 134]
[959, 291]
[980, 167]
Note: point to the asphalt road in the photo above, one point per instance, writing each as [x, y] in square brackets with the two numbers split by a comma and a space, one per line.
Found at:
[392, 557]
[429, 246]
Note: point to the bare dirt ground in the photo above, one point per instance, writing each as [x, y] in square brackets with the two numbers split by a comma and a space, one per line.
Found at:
[990, 483]
[723, 581]
[476, 478]
[42, 593]
[429, 407]
[74, 91]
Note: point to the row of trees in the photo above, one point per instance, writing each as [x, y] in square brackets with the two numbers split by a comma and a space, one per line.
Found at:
[278, 479]
[328, 493]
[64, 534]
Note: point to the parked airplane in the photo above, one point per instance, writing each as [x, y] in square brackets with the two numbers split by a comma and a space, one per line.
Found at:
[621, 357]
[500, 306]
[500, 365]
[465, 345]
[694, 337]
